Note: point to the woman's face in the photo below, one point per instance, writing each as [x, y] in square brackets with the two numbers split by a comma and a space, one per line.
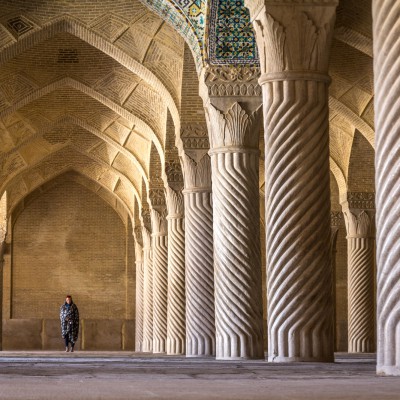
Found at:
[68, 300]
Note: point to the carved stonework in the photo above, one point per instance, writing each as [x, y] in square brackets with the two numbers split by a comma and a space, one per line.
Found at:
[159, 224]
[359, 223]
[173, 171]
[146, 218]
[197, 174]
[137, 232]
[290, 40]
[175, 203]
[235, 128]
[336, 218]
[157, 197]
[232, 81]
[195, 140]
[361, 200]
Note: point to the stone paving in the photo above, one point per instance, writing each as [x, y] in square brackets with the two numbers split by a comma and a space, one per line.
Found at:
[126, 375]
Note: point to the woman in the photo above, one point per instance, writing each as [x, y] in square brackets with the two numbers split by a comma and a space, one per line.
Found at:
[69, 317]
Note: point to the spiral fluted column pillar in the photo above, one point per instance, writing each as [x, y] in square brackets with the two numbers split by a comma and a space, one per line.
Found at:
[237, 258]
[336, 220]
[160, 281]
[139, 297]
[386, 19]
[200, 314]
[294, 42]
[176, 324]
[360, 228]
[147, 293]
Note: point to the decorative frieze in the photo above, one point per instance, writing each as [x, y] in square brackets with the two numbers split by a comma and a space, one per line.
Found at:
[157, 198]
[232, 81]
[361, 200]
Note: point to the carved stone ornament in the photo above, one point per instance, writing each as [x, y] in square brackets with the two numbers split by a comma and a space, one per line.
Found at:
[232, 81]
[159, 224]
[292, 44]
[336, 218]
[361, 200]
[197, 173]
[175, 203]
[157, 197]
[359, 224]
[146, 218]
[235, 128]
[173, 171]
[195, 137]
[137, 232]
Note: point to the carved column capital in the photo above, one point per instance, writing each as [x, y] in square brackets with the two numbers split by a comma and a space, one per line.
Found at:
[159, 225]
[293, 38]
[197, 174]
[146, 239]
[138, 253]
[359, 214]
[234, 129]
[175, 203]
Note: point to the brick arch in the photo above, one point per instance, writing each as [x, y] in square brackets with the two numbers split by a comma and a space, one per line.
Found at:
[90, 129]
[69, 82]
[339, 176]
[87, 181]
[72, 26]
[70, 164]
[171, 12]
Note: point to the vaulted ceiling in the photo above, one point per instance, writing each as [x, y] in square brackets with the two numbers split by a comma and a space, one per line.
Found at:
[91, 87]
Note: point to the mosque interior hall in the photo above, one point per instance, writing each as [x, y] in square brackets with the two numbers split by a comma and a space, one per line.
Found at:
[215, 183]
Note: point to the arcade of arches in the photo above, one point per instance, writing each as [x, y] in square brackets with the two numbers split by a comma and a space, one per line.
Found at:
[200, 176]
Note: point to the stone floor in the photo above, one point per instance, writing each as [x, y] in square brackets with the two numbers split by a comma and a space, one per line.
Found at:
[124, 375]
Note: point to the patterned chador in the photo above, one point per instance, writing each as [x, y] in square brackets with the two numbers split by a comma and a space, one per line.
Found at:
[69, 317]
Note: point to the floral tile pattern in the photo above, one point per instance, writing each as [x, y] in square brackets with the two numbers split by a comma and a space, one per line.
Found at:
[231, 38]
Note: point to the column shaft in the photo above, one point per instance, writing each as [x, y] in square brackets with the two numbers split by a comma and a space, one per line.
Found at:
[386, 16]
[139, 298]
[176, 326]
[148, 293]
[200, 314]
[361, 295]
[299, 274]
[160, 283]
[237, 254]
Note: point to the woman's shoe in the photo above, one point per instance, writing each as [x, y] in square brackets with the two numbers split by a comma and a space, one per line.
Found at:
[66, 349]
[72, 349]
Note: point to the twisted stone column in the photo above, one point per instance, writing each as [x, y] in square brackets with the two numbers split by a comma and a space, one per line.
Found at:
[386, 17]
[147, 293]
[237, 257]
[294, 41]
[360, 278]
[176, 326]
[139, 297]
[160, 281]
[336, 218]
[200, 314]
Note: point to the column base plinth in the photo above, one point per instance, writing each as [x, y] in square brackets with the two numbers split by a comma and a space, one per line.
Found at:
[388, 370]
[301, 359]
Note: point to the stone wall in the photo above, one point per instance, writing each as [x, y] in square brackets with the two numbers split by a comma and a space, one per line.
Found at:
[68, 240]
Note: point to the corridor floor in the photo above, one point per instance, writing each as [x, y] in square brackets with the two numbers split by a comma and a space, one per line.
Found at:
[125, 375]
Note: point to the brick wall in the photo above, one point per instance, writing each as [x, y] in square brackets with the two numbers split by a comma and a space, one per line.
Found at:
[60, 246]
